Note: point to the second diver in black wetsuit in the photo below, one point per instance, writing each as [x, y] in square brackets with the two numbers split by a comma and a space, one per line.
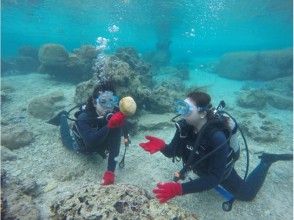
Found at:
[98, 127]
[218, 168]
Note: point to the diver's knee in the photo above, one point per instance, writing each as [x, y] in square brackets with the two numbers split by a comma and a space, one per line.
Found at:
[247, 197]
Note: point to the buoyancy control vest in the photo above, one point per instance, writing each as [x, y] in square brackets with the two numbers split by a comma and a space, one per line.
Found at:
[94, 122]
[222, 121]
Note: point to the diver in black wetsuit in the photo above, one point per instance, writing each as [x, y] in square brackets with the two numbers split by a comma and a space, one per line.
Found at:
[98, 127]
[218, 168]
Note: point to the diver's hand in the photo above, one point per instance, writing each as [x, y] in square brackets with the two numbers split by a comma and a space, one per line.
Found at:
[153, 145]
[116, 120]
[108, 178]
[166, 191]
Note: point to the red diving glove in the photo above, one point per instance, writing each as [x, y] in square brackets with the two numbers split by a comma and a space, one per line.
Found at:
[108, 178]
[116, 120]
[153, 145]
[167, 191]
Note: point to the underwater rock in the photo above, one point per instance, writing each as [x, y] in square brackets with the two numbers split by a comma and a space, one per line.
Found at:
[30, 188]
[43, 107]
[119, 71]
[7, 155]
[130, 56]
[6, 90]
[279, 101]
[26, 64]
[27, 60]
[259, 127]
[64, 66]
[128, 82]
[86, 52]
[84, 90]
[255, 65]
[120, 201]
[50, 186]
[68, 175]
[7, 66]
[283, 86]
[255, 99]
[28, 51]
[16, 204]
[14, 137]
[258, 98]
[53, 55]
[163, 97]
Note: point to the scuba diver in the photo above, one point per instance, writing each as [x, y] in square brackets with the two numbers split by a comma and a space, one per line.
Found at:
[204, 141]
[97, 129]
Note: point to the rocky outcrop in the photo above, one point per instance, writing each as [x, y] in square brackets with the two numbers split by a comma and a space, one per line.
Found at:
[25, 62]
[277, 93]
[6, 90]
[16, 199]
[53, 55]
[14, 137]
[123, 70]
[114, 202]
[7, 155]
[255, 65]
[130, 56]
[65, 66]
[259, 127]
[43, 107]
[255, 99]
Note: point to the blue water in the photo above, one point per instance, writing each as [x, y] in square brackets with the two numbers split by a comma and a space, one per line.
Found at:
[219, 25]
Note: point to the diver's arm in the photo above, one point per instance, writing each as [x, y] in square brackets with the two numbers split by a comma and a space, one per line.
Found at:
[169, 149]
[216, 167]
[90, 135]
[114, 142]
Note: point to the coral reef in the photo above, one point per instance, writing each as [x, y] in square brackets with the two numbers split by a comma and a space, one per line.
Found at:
[114, 202]
[16, 198]
[157, 98]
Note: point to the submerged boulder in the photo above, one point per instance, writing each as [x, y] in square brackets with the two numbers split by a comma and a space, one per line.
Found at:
[64, 66]
[43, 107]
[260, 127]
[16, 199]
[53, 55]
[276, 94]
[255, 65]
[255, 99]
[14, 137]
[114, 202]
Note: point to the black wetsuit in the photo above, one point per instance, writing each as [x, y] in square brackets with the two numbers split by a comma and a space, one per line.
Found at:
[95, 136]
[214, 170]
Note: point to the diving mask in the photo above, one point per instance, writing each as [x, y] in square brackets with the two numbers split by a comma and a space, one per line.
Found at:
[185, 107]
[107, 100]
